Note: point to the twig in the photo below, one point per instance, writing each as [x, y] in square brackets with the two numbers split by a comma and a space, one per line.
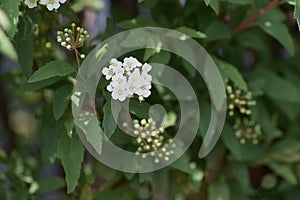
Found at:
[77, 58]
[245, 24]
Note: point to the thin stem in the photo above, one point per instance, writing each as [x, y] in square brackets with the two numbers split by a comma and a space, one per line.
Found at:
[77, 58]
[245, 24]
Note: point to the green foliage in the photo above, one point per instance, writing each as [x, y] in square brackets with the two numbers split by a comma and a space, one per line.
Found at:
[50, 70]
[6, 46]
[71, 152]
[255, 47]
[109, 120]
[12, 11]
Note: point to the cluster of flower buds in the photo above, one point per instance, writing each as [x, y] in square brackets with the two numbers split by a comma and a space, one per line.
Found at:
[72, 38]
[128, 78]
[247, 130]
[50, 4]
[150, 139]
[239, 100]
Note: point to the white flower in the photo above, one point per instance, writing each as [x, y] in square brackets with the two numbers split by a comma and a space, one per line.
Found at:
[62, 1]
[146, 67]
[119, 70]
[110, 87]
[31, 3]
[128, 78]
[146, 77]
[131, 63]
[131, 87]
[108, 72]
[119, 93]
[144, 90]
[134, 76]
[118, 79]
[51, 4]
[115, 62]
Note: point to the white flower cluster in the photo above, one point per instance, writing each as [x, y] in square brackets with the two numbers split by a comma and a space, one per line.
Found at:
[51, 4]
[128, 78]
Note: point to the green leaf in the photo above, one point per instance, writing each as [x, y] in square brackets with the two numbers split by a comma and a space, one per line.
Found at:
[297, 12]
[6, 47]
[50, 137]
[217, 30]
[4, 21]
[24, 45]
[219, 189]
[38, 85]
[183, 165]
[285, 171]
[66, 11]
[141, 110]
[109, 122]
[280, 89]
[231, 142]
[228, 71]
[162, 57]
[191, 32]
[11, 8]
[240, 172]
[214, 4]
[260, 115]
[71, 152]
[49, 184]
[280, 32]
[89, 124]
[52, 69]
[61, 100]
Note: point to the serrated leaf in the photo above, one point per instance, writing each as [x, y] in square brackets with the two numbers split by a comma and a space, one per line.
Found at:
[61, 99]
[6, 47]
[52, 69]
[89, 124]
[297, 12]
[109, 122]
[50, 137]
[71, 153]
[38, 85]
[191, 32]
[228, 71]
[11, 9]
[280, 32]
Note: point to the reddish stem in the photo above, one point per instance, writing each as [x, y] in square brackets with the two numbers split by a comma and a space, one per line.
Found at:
[245, 24]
